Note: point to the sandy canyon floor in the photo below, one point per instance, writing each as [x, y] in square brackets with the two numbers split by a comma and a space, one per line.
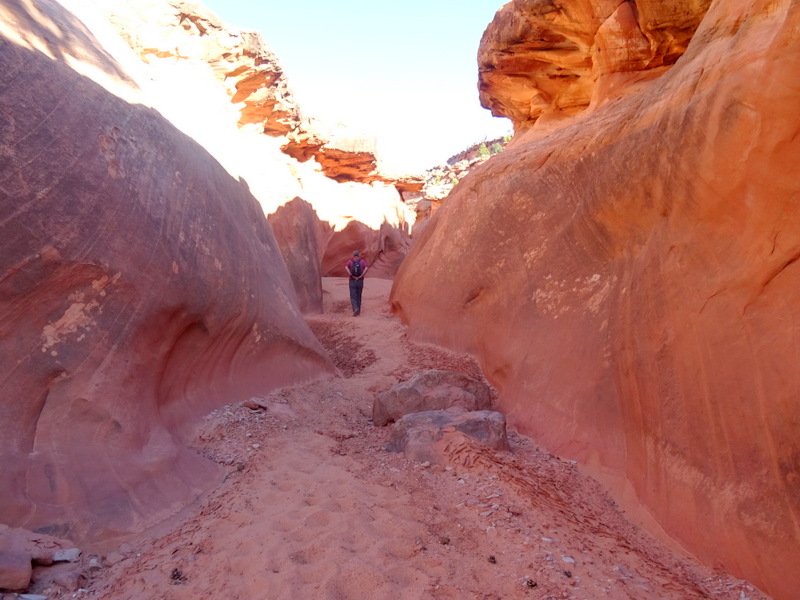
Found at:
[313, 507]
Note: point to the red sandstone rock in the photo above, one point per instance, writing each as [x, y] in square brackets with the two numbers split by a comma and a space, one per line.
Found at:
[21, 549]
[342, 157]
[550, 60]
[141, 287]
[430, 390]
[205, 77]
[630, 284]
[384, 250]
[16, 571]
[301, 236]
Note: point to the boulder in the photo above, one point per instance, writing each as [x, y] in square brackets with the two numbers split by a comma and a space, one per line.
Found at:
[67, 576]
[16, 570]
[22, 550]
[431, 390]
[648, 288]
[419, 435]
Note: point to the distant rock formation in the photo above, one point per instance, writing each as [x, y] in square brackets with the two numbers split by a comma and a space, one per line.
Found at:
[427, 196]
[629, 280]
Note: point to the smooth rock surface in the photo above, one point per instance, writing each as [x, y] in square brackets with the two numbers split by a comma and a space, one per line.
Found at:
[142, 287]
[645, 317]
[434, 389]
[301, 236]
[383, 248]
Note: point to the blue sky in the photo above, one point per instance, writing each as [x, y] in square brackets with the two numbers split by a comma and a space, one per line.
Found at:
[404, 72]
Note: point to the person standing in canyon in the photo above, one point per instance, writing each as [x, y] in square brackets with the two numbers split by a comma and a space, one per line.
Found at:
[356, 268]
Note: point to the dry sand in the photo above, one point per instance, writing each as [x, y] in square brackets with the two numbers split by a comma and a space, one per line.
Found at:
[314, 508]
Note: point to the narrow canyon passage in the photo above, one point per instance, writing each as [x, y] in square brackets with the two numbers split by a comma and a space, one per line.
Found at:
[313, 506]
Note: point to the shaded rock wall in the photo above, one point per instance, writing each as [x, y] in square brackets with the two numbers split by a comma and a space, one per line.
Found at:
[141, 286]
[302, 237]
[630, 284]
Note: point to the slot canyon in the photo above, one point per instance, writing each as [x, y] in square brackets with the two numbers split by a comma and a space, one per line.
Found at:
[573, 374]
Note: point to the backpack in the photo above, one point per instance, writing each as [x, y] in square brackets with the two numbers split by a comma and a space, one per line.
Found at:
[355, 268]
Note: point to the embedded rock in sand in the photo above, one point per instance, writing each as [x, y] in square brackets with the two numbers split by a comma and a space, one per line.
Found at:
[142, 287]
[552, 59]
[630, 284]
[423, 436]
[430, 390]
[225, 88]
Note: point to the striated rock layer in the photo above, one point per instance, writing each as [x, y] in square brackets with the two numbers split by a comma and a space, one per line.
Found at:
[630, 283]
[141, 286]
[545, 60]
[226, 89]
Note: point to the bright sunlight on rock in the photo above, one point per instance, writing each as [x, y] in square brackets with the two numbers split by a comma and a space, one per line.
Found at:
[567, 372]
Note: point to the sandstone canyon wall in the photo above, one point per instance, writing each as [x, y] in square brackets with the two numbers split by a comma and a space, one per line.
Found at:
[140, 148]
[226, 89]
[627, 273]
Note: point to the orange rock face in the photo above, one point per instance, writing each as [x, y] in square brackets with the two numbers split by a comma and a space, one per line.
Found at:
[141, 286]
[630, 283]
[550, 60]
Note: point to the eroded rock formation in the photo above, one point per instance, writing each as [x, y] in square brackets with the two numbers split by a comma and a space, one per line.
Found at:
[141, 286]
[302, 237]
[225, 88]
[550, 59]
[630, 281]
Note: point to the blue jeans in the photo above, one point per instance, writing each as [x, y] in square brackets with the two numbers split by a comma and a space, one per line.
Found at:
[356, 288]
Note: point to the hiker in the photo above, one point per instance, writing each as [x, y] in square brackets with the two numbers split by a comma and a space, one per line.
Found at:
[356, 267]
